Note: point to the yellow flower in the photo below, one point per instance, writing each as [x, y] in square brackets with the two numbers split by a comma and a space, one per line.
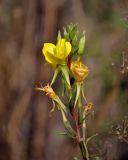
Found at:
[79, 70]
[56, 54]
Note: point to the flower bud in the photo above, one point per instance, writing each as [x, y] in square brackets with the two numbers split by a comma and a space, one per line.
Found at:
[88, 107]
[79, 70]
[81, 45]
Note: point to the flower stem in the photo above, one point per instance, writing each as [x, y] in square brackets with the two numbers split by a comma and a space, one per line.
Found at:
[83, 151]
[80, 129]
[82, 146]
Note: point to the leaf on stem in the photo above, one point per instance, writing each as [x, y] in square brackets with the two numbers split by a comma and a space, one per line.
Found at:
[65, 134]
[90, 138]
[67, 125]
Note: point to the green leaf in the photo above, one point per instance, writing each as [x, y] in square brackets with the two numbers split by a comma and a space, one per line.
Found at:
[63, 87]
[91, 137]
[66, 34]
[60, 104]
[74, 41]
[73, 32]
[67, 125]
[64, 134]
[72, 98]
[61, 133]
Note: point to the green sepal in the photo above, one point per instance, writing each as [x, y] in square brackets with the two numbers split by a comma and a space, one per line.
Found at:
[73, 31]
[74, 41]
[65, 88]
[65, 73]
[66, 34]
[56, 72]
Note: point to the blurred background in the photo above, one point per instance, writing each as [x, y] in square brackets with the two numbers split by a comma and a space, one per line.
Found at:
[27, 129]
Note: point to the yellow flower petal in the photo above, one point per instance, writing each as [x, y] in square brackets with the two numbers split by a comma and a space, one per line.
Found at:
[60, 49]
[49, 47]
[56, 54]
[48, 51]
[68, 48]
[50, 58]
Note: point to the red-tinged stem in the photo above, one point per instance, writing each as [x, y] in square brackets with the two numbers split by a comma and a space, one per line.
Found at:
[81, 144]
[69, 62]
[75, 117]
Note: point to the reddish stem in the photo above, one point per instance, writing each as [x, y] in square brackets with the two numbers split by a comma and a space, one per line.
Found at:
[75, 117]
[74, 113]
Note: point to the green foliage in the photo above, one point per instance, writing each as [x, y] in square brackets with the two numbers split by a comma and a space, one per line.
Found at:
[70, 33]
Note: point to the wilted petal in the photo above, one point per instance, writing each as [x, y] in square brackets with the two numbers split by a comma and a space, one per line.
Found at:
[79, 70]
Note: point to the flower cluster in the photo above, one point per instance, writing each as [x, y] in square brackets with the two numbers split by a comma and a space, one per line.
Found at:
[65, 58]
[63, 53]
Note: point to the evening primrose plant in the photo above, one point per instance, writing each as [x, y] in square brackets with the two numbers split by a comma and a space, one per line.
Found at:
[65, 59]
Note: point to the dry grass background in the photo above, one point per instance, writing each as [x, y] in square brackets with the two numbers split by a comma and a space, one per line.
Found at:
[27, 130]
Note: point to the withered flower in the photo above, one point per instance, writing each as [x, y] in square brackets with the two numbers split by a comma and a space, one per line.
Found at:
[49, 91]
[88, 107]
[79, 70]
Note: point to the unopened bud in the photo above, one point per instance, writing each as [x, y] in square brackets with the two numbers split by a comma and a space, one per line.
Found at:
[81, 45]
[87, 108]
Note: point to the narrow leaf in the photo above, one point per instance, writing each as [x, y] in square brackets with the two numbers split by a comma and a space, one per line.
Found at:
[67, 125]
